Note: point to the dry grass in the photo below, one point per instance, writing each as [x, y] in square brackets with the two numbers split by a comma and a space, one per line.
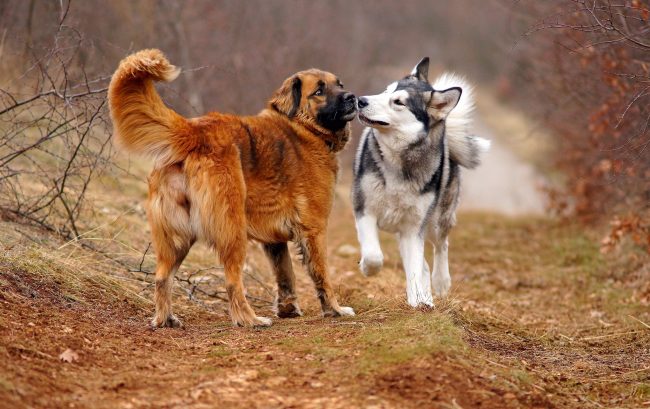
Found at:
[537, 317]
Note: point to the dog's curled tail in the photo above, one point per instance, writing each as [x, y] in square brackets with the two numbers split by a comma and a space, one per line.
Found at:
[142, 122]
[464, 147]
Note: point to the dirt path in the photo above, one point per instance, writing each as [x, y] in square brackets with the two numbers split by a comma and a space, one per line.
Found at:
[503, 183]
[537, 317]
[541, 322]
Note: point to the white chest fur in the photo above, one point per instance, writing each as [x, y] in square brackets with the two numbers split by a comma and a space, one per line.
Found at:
[398, 206]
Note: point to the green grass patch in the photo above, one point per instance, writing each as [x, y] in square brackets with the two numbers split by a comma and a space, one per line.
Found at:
[642, 391]
[321, 343]
[521, 376]
[220, 351]
[577, 250]
[6, 384]
[407, 337]
[371, 346]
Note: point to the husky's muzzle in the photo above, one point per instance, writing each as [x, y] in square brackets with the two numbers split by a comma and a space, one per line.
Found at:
[363, 103]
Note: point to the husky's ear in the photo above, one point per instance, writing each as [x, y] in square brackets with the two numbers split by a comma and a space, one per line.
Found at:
[287, 98]
[442, 102]
[421, 71]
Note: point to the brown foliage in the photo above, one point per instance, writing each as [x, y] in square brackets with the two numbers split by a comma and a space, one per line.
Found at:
[589, 66]
[630, 225]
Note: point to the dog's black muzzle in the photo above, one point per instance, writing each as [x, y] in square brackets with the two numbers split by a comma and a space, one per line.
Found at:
[348, 106]
[340, 110]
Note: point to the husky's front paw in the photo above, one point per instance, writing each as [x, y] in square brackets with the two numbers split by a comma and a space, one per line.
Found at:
[441, 285]
[421, 301]
[371, 264]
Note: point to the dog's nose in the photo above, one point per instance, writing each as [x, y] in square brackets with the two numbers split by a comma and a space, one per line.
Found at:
[349, 97]
[363, 102]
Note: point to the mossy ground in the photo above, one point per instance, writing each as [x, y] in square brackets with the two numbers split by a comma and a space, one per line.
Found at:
[537, 317]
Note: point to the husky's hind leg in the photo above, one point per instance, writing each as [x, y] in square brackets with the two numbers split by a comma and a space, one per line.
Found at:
[425, 282]
[441, 278]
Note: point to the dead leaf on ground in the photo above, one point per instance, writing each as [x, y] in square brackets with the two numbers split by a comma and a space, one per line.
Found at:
[69, 356]
[347, 250]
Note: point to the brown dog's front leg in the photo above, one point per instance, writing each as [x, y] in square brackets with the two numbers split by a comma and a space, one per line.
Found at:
[286, 302]
[314, 256]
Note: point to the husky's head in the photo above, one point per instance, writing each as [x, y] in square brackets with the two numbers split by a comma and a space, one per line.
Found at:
[409, 106]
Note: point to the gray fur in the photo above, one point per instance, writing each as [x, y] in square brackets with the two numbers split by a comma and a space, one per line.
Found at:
[407, 177]
[424, 166]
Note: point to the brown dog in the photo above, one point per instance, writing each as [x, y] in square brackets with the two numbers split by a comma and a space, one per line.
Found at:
[224, 179]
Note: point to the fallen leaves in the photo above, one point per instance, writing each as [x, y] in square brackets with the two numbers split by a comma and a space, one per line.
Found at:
[347, 250]
[69, 356]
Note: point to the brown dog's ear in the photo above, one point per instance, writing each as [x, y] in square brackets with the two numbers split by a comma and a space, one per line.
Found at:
[287, 98]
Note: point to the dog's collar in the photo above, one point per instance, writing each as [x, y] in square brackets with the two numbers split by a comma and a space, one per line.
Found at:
[334, 141]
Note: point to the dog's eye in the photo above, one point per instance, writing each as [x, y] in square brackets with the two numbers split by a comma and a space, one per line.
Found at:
[398, 102]
[319, 92]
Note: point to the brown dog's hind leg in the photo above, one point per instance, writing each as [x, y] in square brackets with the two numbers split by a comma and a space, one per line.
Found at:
[165, 270]
[314, 253]
[172, 237]
[232, 251]
[218, 189]
[286, 302]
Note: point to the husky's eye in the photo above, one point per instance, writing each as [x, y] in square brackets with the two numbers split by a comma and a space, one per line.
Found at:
[398, 102]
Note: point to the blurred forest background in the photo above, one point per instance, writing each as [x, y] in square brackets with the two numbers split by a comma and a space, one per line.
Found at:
[580, 69]
[545, 312]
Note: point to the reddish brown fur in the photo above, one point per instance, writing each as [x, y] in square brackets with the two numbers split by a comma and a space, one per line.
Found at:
[225, 179]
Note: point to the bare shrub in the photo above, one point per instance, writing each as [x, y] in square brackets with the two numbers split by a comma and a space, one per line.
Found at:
[585, 69]
[54, 135]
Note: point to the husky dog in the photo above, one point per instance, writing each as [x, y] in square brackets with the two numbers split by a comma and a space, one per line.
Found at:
[407, 175]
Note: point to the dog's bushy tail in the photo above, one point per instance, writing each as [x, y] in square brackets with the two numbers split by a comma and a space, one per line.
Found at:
[464, 147]
[142, 122]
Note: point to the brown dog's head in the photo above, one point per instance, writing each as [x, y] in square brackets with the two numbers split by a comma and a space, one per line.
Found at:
[317, 100]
